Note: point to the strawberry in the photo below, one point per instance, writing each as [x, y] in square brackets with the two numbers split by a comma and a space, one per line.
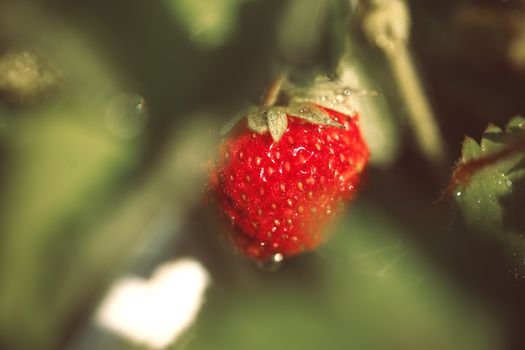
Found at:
[284, 173]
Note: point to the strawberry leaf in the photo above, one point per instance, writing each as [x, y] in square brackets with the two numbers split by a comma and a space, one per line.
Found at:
[491, 194]
[312, 114]
[277, 122]
[257, 120]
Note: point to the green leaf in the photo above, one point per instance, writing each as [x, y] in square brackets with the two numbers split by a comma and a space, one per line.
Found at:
[277, 122]
[257, 120]
[492, 199]
[312, 114]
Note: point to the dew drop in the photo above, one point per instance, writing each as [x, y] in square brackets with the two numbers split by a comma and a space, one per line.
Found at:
[272, 264]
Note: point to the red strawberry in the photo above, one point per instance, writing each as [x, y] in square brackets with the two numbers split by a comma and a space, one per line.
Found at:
[281, 188]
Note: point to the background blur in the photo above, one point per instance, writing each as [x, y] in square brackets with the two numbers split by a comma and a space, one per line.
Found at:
[110, 114]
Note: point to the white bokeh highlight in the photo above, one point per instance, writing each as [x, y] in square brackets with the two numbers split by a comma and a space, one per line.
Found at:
[155, 312]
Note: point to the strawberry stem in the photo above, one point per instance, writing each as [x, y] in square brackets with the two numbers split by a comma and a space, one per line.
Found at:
[386, 24]
[273, 92]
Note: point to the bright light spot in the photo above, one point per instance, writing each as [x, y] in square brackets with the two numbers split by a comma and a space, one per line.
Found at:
[155, 312]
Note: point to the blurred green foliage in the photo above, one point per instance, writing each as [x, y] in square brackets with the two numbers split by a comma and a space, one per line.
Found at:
[368, 289]
[209, 24]
[109, 120]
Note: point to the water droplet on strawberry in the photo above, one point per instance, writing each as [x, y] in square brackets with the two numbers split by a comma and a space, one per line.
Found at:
[272, 264]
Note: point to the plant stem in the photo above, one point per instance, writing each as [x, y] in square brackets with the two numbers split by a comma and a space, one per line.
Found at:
[386, 25]
[420, 115]
[273, 92]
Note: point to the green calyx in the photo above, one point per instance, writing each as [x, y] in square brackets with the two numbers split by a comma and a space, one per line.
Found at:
[274, 119]
[272, 114]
